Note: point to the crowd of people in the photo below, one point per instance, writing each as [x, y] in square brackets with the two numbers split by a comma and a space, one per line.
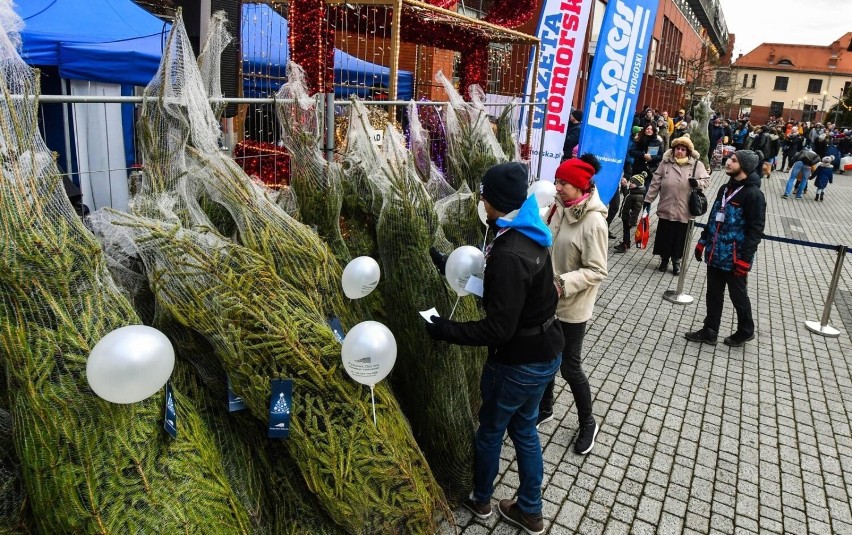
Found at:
[543, 273]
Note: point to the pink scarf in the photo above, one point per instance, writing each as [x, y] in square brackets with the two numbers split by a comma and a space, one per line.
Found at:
[575, 202]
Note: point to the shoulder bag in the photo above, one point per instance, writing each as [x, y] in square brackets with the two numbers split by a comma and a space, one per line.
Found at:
[697, 200]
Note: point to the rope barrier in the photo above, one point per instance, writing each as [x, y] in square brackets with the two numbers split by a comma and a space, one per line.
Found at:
[791, 241]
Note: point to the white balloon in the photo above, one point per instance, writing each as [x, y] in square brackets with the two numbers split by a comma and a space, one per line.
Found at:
[360, 277]
[130, 364]
[544, 191]
[369, 352]
[461, 264]
[480, 209]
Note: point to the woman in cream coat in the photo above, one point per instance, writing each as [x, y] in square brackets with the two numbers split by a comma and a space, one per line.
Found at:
[579, 254]
[678, 172]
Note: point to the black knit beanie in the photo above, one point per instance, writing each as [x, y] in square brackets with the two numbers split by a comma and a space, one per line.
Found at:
[504, 186]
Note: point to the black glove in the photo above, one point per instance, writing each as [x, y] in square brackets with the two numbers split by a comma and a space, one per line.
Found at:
[646, 207]
[693, 182]
[436, 328]
[439, 259]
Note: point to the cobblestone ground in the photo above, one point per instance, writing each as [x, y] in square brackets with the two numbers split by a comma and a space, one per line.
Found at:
[700, 439]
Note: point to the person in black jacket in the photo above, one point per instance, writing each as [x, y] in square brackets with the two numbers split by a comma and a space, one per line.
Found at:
[728, 244]
[572, 134]
[792, 144]
[634, 196]
[524, 343]
[648, 151]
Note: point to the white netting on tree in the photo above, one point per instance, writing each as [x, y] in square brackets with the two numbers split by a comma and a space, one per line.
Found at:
[210, 59]
[471, 143]
[262, 306]
[262, 328]
[315, 182]
[429, 377]
[87, 465]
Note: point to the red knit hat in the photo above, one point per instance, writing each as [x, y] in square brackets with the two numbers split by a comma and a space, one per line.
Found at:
[577, 173]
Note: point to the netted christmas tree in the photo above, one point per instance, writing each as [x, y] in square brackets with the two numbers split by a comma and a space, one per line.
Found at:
[262, 305]
[87, 465]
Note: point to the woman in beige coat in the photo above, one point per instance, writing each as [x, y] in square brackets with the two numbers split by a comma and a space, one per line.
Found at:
[580, 239]
[678, 172]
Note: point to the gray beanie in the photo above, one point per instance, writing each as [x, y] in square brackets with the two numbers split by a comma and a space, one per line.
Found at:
[748, 160]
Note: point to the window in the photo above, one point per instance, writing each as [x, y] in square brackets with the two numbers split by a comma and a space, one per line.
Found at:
[814, 85]
[786, 62]
[745, 80]
[776, 109]
[781, 83]
[745, 107]
[753, 80]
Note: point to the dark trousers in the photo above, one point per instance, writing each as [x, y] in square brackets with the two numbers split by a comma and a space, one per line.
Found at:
[738, 290]
[572, 371]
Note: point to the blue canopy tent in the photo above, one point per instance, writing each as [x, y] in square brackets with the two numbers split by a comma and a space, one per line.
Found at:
[47, 23]
[265, 54]
[100, 158]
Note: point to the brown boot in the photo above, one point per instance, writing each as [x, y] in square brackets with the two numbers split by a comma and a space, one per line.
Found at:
[532, 524]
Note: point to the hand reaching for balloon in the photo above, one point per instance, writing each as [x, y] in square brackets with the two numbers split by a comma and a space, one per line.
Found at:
[439, 259]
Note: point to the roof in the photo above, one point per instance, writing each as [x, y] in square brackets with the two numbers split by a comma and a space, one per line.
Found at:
[807, 58]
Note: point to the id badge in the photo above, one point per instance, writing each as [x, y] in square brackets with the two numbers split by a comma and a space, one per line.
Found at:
[720, 217]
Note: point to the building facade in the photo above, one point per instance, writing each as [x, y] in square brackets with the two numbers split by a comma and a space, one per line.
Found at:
[794, 82]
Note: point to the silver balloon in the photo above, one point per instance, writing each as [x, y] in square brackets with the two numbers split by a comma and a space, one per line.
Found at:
[130, 364]
[360, 277]
[369, 352]
[461, 264]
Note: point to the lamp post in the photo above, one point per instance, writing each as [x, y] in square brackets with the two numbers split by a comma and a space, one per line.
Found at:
[839, 102]
[800, 101]
[822, 108]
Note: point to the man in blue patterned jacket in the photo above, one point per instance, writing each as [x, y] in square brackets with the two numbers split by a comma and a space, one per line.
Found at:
[728, 244]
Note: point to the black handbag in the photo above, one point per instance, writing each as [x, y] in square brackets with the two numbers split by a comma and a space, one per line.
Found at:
[697, 199]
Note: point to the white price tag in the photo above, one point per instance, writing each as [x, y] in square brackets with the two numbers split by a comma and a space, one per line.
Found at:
[427, 314]
[475, 286]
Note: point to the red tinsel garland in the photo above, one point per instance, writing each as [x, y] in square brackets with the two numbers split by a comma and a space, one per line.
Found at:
[266, 161]
[510, 13]
[474, 67]
[312, 47]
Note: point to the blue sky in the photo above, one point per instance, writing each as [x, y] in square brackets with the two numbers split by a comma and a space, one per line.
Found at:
[806, 22]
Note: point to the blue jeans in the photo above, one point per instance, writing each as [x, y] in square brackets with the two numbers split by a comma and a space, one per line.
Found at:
[510, 398]
[806, 173]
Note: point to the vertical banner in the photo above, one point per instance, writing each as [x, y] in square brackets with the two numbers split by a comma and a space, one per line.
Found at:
[614, 84]
[562, 31]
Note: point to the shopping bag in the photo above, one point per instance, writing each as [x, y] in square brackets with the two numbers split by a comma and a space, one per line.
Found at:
[643, 231]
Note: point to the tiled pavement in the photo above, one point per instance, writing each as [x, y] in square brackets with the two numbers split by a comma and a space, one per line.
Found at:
[697, 439]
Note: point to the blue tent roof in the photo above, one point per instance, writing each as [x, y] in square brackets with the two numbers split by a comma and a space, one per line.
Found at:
[127, 62]
[47, 23]
[115, 41]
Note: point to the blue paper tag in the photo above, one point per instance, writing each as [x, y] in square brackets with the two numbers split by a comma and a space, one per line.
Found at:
[279, 408]
[235, 402]
[169, 412]
[337, 327]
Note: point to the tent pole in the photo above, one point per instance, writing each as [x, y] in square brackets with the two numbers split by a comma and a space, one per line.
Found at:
[66, 124]
[329, 126]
